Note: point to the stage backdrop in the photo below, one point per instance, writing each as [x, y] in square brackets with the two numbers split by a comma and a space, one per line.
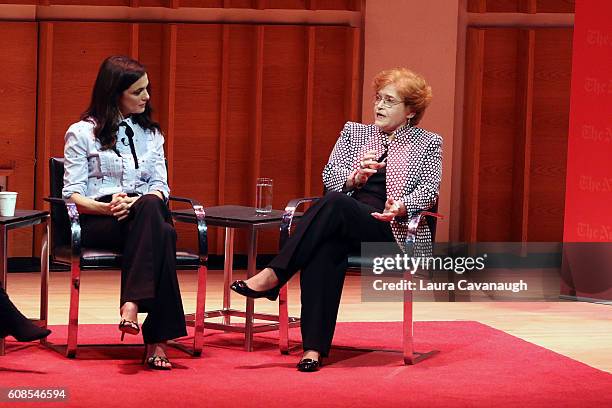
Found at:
[588, 199]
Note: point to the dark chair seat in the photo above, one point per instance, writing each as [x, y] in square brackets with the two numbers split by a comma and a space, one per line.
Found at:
[95, 258]
[356, 261]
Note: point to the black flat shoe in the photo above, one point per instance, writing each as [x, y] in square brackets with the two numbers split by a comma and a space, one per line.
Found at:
[31, 333]
[243, 289]
[308, 365]
[15, 324]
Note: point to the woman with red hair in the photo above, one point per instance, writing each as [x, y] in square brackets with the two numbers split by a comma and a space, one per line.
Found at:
[377, 177]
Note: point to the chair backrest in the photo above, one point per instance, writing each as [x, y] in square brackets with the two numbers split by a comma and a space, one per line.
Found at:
[60, 224]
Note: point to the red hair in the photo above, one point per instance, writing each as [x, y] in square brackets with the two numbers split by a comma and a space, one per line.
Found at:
[411, 87]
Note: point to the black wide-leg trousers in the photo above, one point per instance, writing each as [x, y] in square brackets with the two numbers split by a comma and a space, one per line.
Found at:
[147, 239]
[328, 231]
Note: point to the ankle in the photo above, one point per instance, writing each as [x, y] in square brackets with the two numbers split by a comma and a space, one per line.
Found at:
[312, 354]
[265, 277]
[129, 311]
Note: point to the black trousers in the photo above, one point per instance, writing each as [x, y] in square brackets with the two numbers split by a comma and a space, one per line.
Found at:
[328, 231]
[147, 240]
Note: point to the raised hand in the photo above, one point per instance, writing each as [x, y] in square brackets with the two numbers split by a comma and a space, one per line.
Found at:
[367, 167]
[392, 209]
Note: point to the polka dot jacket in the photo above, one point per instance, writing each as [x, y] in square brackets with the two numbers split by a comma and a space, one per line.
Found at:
[414, 170]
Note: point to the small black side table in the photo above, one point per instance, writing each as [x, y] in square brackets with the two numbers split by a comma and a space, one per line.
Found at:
[233, 217]
[27, 218]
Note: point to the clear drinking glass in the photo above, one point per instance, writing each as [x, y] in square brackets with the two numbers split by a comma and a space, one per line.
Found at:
[263, 195]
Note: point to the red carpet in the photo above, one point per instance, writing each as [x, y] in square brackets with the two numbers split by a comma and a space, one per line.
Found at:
[477, 366]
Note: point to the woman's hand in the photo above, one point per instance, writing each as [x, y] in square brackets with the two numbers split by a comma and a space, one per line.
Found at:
[120, 205]
[392, 209]
[367, 167]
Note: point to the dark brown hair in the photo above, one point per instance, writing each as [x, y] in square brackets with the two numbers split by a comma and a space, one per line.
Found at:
[116, 74]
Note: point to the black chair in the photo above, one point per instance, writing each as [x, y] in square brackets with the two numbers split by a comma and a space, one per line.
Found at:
[66, 249]
[357, 263]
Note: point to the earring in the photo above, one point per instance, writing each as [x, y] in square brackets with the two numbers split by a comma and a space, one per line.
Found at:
[408, 119]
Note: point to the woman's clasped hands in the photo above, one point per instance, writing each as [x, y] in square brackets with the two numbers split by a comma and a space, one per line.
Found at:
[120, 205]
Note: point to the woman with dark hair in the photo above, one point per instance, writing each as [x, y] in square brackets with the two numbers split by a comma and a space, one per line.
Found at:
[377, 177]
[14, 323]
[115, 172]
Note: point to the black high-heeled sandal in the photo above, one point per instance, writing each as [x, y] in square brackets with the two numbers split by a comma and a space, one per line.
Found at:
[243, 289]
[309, 365]
[154, 361]
[129, 327]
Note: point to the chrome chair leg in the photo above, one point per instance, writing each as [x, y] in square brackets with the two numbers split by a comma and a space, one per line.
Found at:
[198, 334]
[73, 313]
[283, 321]
[227, 272]
[44, 276]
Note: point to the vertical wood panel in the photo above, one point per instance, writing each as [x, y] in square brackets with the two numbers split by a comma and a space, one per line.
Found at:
[499, 127]
[553, 54]
[225, 50]
[353, 101]
[527, 6]
[196, 114]
[168, 99]
[257, 110]
[242, 50]
[283, 115]
[18, 118]
[555, 6]
[472, 131]
[134, 36]
[499, 6]
[310, 71]
[44, 105]
[43, 115]
[477, 6]
[333, 87]
[523, 138]
[151, 40]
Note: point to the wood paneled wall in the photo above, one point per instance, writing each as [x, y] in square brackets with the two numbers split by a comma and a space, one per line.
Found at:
[18, 118]
[515, 128]
[235, 101]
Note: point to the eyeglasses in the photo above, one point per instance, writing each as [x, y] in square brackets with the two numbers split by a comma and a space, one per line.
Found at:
[387, 101]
